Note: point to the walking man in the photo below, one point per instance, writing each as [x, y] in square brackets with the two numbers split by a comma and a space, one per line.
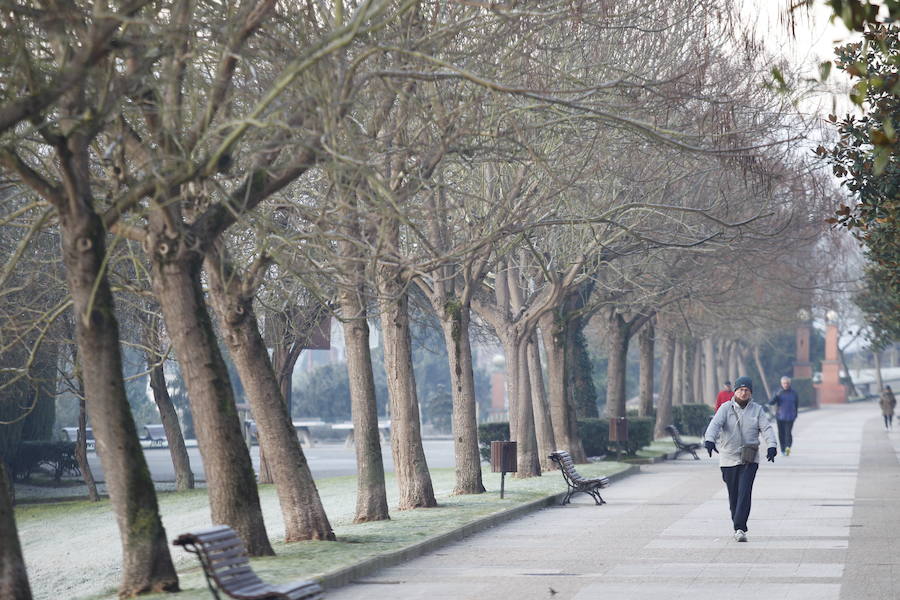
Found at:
[736, 428]
[786, 401]
[724, 395]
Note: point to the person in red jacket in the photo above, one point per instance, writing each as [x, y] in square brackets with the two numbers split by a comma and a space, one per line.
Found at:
[724, 395]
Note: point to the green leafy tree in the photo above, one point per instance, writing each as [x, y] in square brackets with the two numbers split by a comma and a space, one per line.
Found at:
[865, 158]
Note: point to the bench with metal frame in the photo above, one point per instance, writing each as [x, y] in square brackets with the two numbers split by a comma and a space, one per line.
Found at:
[227, 568]
[682, 447]
[575, 482]
[156, 435]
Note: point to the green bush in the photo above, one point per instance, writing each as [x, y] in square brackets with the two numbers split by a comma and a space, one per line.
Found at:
[491, 432]
[691, 419]
[32, 456]
[594, 435]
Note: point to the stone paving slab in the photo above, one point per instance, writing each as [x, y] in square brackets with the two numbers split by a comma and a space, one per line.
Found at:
[824, 526]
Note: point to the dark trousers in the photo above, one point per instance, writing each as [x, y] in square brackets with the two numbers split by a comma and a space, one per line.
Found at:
[784, 433]
[888, 421]
[739, 481]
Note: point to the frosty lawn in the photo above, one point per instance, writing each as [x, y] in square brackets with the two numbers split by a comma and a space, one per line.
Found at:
[72, 549]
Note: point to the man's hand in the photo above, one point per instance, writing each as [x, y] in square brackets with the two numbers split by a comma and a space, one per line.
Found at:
[711, 447]
[770, 454]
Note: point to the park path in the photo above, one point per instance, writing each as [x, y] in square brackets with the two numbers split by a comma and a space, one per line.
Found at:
[824, 526]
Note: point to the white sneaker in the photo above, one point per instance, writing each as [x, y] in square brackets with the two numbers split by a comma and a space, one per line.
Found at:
[740, 535]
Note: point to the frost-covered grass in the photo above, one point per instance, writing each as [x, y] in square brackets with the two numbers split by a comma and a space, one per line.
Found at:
[72, 549]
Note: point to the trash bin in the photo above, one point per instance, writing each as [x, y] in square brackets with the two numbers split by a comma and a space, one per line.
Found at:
[503, 460]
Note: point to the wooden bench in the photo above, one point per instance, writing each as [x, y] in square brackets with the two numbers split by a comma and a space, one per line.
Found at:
[681, 446]
[156, 435]
[575, 482]
[225, 563]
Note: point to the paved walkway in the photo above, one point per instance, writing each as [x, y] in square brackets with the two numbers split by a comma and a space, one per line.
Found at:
[824, 526]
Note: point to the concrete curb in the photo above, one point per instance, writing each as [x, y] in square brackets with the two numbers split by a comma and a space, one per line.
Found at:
[346, 575]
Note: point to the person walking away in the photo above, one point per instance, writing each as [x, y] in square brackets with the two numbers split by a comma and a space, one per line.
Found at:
[888, 404]
[786, 402]
[724, 395]
[734, 434]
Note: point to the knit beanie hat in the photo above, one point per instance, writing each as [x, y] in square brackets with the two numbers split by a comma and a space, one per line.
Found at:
[743, 381]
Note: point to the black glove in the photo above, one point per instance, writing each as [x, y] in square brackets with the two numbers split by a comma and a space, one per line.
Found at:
[711, 447]
[770, 454]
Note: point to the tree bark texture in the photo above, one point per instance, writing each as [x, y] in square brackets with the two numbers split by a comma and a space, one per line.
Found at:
[617, 348]
[721, 355]
[81, 451]
[184, 477]
[413, 478]
[146, 562]
[371, 492]
[690, 359]
[301, 507]
[455, 326]
[646, 347]
[13, 576]
[529, 465]
[711, 385]
[664, 406]
[678, 375]
[562, 413]
[233, 495]
[543, 425]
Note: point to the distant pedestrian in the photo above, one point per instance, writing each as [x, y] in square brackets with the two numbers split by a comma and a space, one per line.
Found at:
[736, 428]
[888, 404]
[724, 395]
[786, 401]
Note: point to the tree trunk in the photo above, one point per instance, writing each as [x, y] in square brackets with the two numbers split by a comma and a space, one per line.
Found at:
[233, 496]
[371, 492]
[511, 367]
[184, 477]
[410, 466]
[147, 565]
[526, 439]
[562, 413]
[697, 396]
[13, 576]
[690, 359]
[81, 451]
[722, 364]
[678, 375]
[762, 371]
[876, 354]
[455, 326]
[711, 386]
[543, 425]
[617, 346]
[302, 510]
[646, 343]
[851, 388]
[664, 406]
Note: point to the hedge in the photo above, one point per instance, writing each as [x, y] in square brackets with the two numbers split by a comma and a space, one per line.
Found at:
[58, 457]
[594, 435]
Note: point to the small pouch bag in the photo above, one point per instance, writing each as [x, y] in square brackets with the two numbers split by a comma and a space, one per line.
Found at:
[749, 452]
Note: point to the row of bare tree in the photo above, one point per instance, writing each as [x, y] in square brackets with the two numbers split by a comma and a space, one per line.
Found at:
[519, 167]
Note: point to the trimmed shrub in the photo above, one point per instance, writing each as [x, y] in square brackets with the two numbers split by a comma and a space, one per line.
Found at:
[58, 457]
[594, 435]
[691, 419]
[491, 432]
